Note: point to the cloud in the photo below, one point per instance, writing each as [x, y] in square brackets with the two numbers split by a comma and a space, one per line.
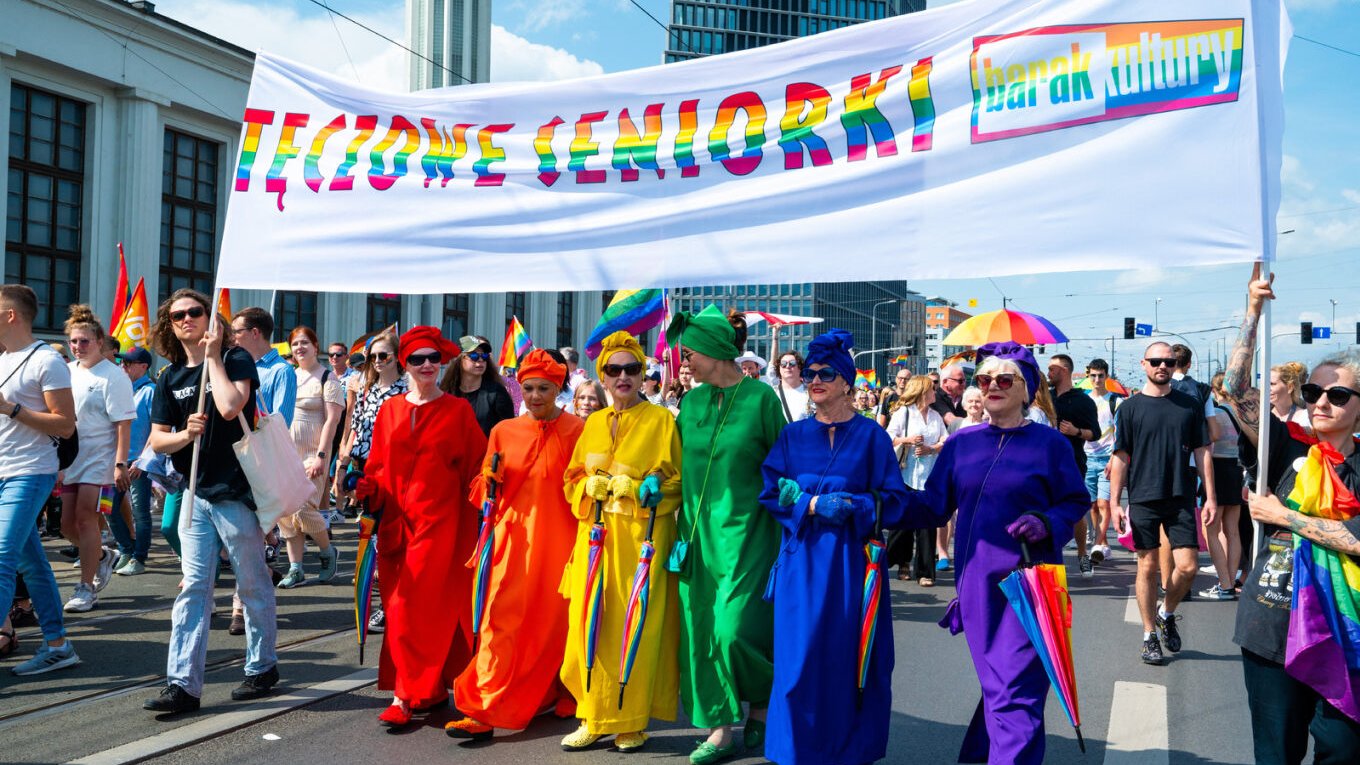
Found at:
[515, 59]
[540, 14]
[1139, 280]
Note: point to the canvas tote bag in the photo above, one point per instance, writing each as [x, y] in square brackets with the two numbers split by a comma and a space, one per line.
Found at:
[270, 461]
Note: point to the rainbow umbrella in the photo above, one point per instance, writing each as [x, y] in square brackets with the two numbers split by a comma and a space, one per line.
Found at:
[364, 570]
[636, 615]
[998, 326]
[486, 546]
[1111, 386]
[1038, 595]
[874, 553]
[594, 592]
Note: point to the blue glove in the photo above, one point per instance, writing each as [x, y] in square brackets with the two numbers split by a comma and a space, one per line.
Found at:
[1028, 528]
[649, 491]
[789, 492]
[835, 507]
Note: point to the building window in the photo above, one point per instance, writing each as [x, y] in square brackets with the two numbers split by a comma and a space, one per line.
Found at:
[606, 298]
[188, 213]
[293, 309]
[383, 311]
[517, 304]
[566, 317]
[455, 324]
[46, 199]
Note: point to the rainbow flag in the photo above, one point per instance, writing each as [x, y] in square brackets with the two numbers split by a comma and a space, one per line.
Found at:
[516, 345]
[1323, 647]
[106, 495]
[224, 303]
[134, 325]
[866, 377]
[631, 311]
[901, 359]
[121, 295]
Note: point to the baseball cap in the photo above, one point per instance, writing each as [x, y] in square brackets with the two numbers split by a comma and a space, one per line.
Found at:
[135, 356]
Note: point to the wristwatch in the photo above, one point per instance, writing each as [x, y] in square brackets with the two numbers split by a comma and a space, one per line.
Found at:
[321, 455]
[120, 464]
[13, 413]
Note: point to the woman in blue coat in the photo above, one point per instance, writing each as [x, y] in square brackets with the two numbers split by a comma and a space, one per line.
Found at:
[819, 479]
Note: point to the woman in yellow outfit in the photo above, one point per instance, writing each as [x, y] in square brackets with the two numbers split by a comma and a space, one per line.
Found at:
[628, 456]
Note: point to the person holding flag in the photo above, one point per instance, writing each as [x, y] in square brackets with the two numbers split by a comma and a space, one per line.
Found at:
[473, 376]
[726, 628]
[626, 463]
[514, 674]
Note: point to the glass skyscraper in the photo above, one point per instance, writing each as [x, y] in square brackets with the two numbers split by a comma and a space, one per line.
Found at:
[705, 27]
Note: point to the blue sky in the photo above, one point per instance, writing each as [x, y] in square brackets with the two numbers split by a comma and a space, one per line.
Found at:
[1319, 262]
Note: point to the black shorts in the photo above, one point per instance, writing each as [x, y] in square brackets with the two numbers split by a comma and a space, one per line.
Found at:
[1176, 515]
[1227, 482]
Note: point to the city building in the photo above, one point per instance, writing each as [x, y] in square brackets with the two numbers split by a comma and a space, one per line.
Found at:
[942, 315]
[705, 27]
[453, 38]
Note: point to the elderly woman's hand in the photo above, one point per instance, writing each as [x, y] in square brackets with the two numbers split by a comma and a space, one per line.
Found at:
[1028, 528]
[1267, 508]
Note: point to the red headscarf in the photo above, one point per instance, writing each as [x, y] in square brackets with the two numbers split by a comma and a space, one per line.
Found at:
[426, 337]
[543, 366]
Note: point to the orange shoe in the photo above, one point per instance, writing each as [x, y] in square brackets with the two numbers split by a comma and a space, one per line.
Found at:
[469, 728]
[395, 716]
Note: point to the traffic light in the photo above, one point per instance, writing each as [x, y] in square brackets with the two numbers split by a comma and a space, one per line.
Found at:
[1130, 329]
[1306, 332]
[1357, 333]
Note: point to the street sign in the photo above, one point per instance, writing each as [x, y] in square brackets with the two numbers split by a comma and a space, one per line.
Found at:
[1322, 333]
[1142, 330]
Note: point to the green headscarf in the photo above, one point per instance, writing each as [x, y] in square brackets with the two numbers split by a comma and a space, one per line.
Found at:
[707, 332]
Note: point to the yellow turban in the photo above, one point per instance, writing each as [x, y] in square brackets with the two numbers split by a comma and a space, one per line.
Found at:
[619, 341]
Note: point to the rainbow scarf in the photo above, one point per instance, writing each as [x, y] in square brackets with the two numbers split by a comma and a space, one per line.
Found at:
[631, 311]
[1323, 647]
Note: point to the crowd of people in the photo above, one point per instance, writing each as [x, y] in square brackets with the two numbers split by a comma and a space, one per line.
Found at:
[652, 544]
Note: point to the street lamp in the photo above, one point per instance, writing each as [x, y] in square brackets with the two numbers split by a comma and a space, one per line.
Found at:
[873, 324]
[1156, 310]
[1333, 320]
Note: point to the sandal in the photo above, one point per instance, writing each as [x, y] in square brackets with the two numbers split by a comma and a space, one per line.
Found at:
[11, 642]
[926, 581]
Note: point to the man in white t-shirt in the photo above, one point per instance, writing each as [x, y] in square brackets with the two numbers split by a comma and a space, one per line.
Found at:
[35, 405]
[1098, 457]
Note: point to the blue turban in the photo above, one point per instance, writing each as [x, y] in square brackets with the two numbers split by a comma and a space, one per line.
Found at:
[833, 350]
[1022, 358]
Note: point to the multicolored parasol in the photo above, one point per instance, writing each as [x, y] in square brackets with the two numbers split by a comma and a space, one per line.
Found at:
[874, 554]
[594, 591]
[486, 547]
[364, 571]
[1111, 386]
[635, 617]
[1038, 595]
[998, 326]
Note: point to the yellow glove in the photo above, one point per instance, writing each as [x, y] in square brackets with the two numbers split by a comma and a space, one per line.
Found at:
[622, 486]
[597, 487]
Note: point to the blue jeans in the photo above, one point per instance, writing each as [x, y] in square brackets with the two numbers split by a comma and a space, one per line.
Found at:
[21, 551]
[139, 496]
[215, 524]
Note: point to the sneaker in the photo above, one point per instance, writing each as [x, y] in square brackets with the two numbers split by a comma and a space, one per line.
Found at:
[48, 659]
[82, 600]
[172, 700]
[105, 572]
[70, 552]
[122, 560]
[132, 568]
[336, 518]
[1170, 634]
[328, 564]
[1152, 651]
[1097, 555]
[256, 686]
[292, 579]
[1084, 565]
[1104, 551]
[377, 622]
[1218, 593]
[942, 564]
[270, 553]
[1209, 569]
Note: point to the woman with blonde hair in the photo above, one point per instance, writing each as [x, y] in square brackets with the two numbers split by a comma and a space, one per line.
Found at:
[1041, 409]
[588, 398]
[918, 434]
[104, 415]
[1286, 401]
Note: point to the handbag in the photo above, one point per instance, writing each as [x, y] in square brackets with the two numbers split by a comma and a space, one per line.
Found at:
[269, 459]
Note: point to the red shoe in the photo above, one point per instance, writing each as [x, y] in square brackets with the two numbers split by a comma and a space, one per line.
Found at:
[395, 716]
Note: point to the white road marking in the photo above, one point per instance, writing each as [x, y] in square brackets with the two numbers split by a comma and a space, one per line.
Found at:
[225, 722]
[1138, 725]
[1131, 614]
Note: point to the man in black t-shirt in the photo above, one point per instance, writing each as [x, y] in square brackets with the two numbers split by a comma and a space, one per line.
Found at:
[222, 508]
[1155, 435]
[1078, 420]
[885, 406]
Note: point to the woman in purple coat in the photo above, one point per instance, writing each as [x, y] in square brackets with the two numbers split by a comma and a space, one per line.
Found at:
[1012, 481]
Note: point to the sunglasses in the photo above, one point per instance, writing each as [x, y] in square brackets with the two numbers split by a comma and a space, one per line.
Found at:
[384, 356]
[1003, 382]
[788, 364]
[80, 341]
[825, 374]
[1337, 395]
[686, 353]
[337, 355]
[1160, 362]
[197, 312]
[614, 370]
[477, 356]
[417, 359]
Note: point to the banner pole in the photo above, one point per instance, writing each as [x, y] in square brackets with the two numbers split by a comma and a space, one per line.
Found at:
[1263, 331]
[186, 510]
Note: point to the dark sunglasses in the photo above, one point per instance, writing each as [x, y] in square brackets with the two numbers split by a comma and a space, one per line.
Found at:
[418, 359]
[80, 341]
[614, 370]
[477, 356]
[196, 312]
[1003, 382]
[788, 364]
[1337, 395]
[337, 354]
[384, 356]
[825, 374]
[1160, 362]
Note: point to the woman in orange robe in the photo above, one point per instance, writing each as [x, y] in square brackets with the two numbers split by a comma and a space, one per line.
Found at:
[513, 676]
[427, 448]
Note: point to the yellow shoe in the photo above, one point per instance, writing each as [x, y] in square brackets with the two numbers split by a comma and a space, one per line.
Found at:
[580, 739]
[630, 742]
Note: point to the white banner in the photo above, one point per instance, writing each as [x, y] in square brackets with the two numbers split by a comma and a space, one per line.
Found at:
[988, 137]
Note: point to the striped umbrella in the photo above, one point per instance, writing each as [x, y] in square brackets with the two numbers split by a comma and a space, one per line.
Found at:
[364, 570]
[486, 547]
[594, 591]
[874, 553]
[999, 326]
[636, 615]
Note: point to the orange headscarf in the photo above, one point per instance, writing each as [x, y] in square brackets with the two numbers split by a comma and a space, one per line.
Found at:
[543, 366]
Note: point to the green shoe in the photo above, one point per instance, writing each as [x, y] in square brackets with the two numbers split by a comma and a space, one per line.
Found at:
[753, 734]
[707, 754]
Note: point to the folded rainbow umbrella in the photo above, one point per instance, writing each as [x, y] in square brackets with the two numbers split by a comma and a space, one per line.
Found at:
[635, 616]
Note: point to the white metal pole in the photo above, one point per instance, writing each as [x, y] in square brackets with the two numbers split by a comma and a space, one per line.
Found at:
[1263, 428]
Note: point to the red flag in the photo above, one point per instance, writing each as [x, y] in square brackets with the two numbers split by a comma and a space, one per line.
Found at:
[224, 303]
[121, 294]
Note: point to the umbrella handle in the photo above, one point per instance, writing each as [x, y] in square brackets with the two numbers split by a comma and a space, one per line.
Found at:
[491, 485]
[1024, 554]
[651, 523]
[878, 513]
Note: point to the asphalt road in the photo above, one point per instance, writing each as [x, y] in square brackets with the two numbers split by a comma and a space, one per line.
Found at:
[1192, 710]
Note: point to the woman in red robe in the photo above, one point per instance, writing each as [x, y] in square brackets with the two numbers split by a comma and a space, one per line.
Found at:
[427, 448]
[513, 677]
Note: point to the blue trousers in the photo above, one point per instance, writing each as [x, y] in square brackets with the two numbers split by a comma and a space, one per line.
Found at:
[22, 499]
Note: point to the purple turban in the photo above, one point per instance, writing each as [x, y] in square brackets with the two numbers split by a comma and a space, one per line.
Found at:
[1022, 358]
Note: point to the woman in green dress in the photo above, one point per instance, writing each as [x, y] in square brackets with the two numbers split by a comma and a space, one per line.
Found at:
[727, 543]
